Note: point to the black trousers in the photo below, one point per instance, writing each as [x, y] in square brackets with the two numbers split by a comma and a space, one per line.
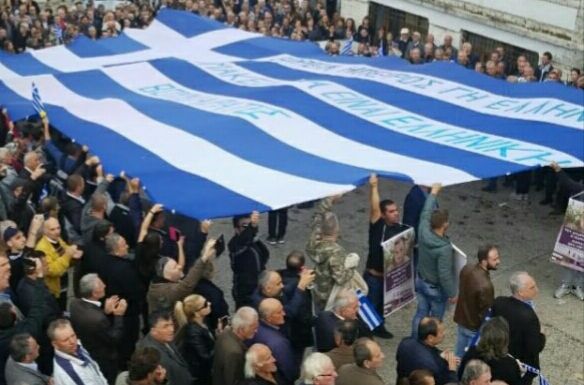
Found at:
[278, 219]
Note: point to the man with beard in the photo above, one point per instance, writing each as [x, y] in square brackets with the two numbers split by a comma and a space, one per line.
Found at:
[476, 296]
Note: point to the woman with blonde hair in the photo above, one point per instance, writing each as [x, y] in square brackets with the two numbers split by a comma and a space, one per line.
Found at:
[194, 339]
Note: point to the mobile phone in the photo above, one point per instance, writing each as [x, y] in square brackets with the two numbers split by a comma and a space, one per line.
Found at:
[219, 246]
[174, 234]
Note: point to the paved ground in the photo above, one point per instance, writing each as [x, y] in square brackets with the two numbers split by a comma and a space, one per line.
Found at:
[525, 233]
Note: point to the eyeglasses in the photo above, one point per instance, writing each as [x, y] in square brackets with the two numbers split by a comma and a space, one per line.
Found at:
[207, 303]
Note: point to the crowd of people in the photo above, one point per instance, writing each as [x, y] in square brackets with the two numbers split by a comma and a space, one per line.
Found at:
[97, 287]
[25, 25]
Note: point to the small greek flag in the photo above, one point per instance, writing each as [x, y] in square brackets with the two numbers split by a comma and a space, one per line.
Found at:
[37, 102]
[347, 48]
[367, 311]
[477, 336]
[537, 372]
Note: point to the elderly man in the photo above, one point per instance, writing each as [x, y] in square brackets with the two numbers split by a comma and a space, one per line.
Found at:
[230, 349]
[21, 367]
[72, 364]
[345, 307]
[526, 338]
[161, 338]
[318, 369]
[34, 173]
[476, 372]
[270, 334]
[423, 353]
[260, 366]
[58, 256]
[92, 325]
[368, 358]
[334, 266]
[477, 294]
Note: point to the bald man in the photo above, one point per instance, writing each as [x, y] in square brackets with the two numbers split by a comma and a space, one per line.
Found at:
[260, 365]
[58, 256]
[271, 312]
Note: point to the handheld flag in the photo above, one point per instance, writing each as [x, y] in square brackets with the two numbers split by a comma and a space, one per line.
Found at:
[367, 311]
[37, 102]
[537, 372]
[347, 48]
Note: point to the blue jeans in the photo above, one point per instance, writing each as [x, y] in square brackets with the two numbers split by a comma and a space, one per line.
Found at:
[431, 303]
[464, 337]
[375, 294]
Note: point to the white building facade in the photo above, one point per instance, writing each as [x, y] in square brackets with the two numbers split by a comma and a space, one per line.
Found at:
[538, 26]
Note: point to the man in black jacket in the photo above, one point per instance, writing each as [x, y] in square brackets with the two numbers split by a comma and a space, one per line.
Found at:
[100, 336]
[526, 339]
[248, 257]
[123, 279]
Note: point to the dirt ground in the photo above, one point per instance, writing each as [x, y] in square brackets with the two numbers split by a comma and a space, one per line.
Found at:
[524, 231]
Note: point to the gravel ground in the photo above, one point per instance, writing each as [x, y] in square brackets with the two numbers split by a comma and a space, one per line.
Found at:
[524, 231]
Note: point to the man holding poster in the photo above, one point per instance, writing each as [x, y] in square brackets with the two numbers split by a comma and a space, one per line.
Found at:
[384, 224]
[569, 249]
[399, 271]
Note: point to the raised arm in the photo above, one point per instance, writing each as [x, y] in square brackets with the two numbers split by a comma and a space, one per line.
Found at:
[148, 220]
[374, 209]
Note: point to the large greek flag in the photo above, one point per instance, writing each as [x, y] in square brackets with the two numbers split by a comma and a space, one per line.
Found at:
[218, 121]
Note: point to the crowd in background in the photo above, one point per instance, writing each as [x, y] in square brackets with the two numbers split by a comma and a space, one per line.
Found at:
[26, 25]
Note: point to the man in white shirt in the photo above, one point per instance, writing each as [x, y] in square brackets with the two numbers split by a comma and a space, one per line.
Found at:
[72, 363]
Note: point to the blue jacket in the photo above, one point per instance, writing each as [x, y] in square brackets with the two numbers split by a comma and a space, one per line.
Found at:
[281, 350]
[413, 354]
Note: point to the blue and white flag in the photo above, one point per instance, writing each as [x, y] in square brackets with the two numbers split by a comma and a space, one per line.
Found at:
[37, 102]
[530, 369]
[367, 311]
[347, 48]
[216, 121]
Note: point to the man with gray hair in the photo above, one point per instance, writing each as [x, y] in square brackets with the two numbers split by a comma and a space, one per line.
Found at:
[100, 336]
[334, 266]
[345, 307]
[260, 366]
[318, 369]
[526, 338]
[21, 367]
[229, 358]
[476, 372]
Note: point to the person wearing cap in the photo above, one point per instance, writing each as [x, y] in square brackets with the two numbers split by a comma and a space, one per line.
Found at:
[20, 247]
[404, 40]
[169, 286]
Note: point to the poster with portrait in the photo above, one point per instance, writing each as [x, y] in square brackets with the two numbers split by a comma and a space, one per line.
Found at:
[398, 283]
[569, 248]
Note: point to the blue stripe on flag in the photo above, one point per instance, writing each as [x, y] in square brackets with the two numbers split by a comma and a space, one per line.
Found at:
[262, 47]
[569, 139]
[367, 312]
[232, 134]
[122, 44]
[25, 64]
[186, 23]
[347, 48]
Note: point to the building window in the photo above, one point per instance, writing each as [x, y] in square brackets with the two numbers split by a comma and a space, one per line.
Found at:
[394, 19]
[483, 46]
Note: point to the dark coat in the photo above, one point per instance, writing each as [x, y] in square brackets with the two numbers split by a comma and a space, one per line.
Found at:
[177, 369]
[324, 330]
[281, 349]
[73, 210]
[526, 340]
[32, 324]
[122, 279]
[197, 346]
[352, 374]
[28, 289]
[229, 359]
[413, 354]
[99, 336]
[503, 369]
[124, 222]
